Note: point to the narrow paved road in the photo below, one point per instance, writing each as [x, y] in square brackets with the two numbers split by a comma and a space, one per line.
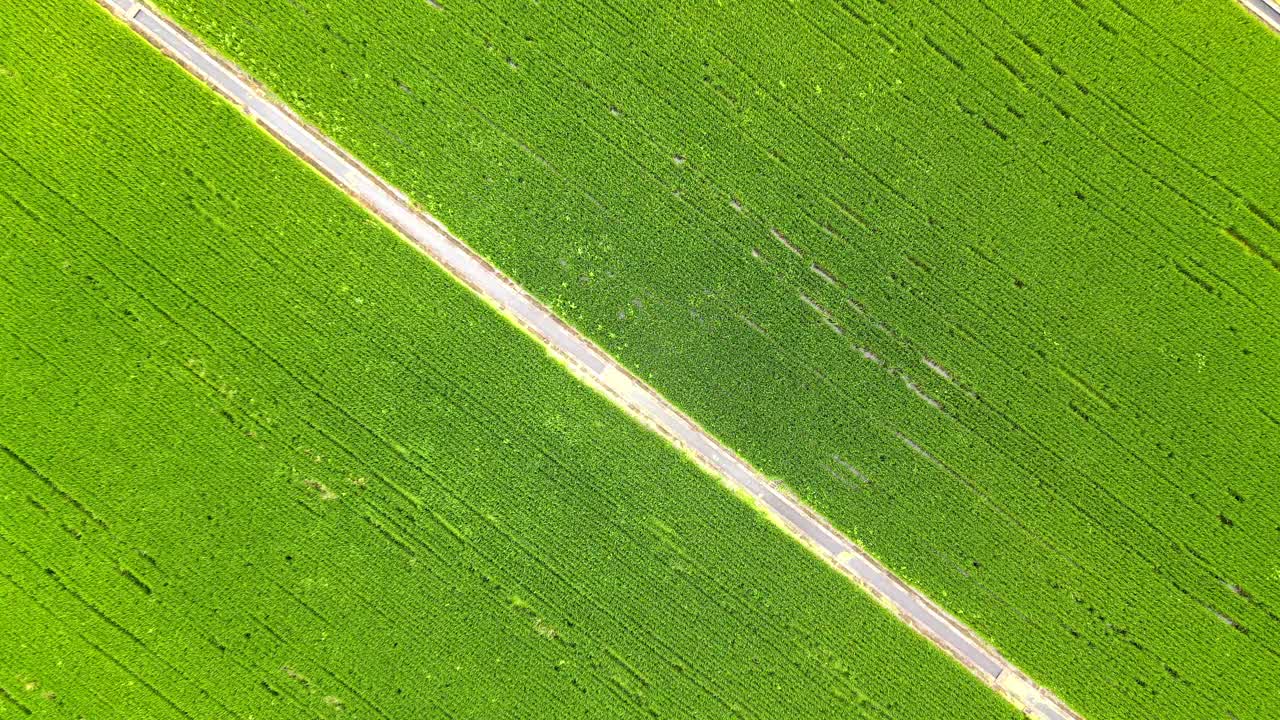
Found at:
[592, 365]
[1268, 11]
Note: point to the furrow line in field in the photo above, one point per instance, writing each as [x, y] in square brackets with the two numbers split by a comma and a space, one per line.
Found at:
[594, 367]
[453, 493]
[1082, 179]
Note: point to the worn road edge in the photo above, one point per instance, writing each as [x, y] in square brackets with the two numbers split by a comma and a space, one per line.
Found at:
[591, 364]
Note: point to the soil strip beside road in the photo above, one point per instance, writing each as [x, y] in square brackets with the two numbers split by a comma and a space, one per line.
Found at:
[590, 363]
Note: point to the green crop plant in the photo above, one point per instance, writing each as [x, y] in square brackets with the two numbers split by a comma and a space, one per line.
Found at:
[261, 458]
[991, 284]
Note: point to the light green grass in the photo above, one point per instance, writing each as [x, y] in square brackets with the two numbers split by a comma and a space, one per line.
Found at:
[1070, 208]
[259, 458]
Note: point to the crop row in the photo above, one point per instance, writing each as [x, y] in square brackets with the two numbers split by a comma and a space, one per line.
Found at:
[989, 285]
[259, 456]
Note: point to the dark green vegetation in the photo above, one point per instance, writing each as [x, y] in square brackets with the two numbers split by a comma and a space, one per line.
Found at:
[259, 458]
[1016, 263]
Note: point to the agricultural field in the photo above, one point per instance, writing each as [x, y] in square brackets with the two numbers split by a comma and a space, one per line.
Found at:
[992, 285]
[260, 458]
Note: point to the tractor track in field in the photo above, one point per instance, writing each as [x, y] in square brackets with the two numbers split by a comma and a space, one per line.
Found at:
[589, 363]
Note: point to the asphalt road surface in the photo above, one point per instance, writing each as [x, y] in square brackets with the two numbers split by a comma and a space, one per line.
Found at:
[591, 364]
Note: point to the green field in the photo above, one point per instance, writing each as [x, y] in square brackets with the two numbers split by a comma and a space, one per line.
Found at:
[1016, 263]
[261, 459]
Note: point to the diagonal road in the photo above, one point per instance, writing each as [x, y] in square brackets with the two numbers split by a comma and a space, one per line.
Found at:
[591, 364]
[1268, 11]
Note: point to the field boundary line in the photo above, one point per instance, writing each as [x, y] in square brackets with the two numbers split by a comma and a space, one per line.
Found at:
[588, 362]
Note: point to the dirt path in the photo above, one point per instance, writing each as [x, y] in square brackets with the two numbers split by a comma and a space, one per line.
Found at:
[591, 364]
